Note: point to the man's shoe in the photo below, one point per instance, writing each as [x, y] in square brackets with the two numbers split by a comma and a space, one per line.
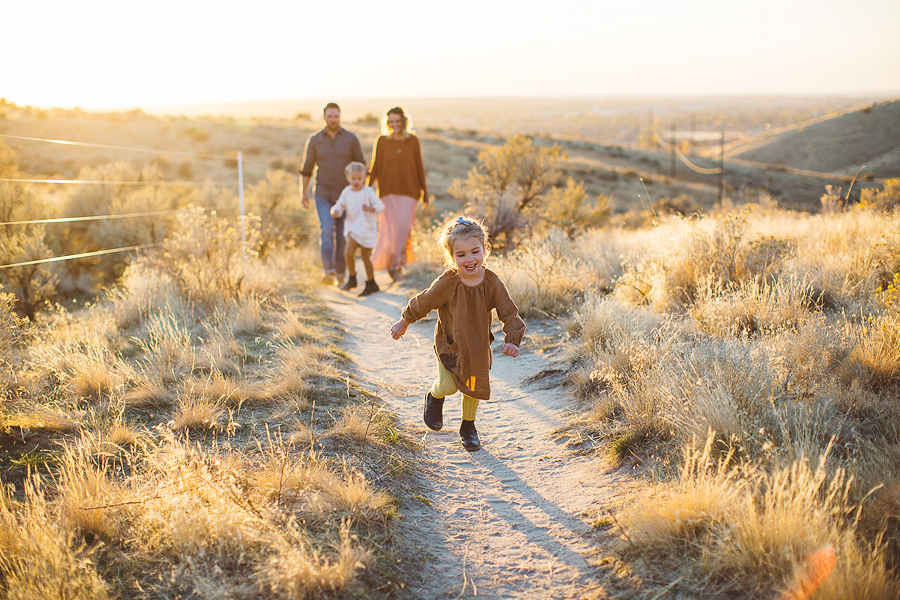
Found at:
[371, 288]
[350, 283]
[328, 279]
[434, 412]
[469, 436]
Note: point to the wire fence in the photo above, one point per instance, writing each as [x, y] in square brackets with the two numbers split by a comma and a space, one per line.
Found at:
[199, 155]
[239, 184]
[52, 259]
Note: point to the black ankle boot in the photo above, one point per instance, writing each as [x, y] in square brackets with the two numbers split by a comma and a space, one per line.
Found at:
[469, 436]
[434, 412]
[371, 288]
[350, 284]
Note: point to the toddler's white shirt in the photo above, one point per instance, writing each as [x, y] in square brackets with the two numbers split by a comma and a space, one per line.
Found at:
[359, 224]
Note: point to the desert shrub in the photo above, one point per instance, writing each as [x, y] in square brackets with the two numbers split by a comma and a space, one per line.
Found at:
[113, 195]
[570, 210]
[32, 284]
[11, 334]
[139, 230]
[875, 359]
[510, 180]
[886, 199]
[886, 261]
[682, 205]
[208, 256]
[277, 202]
[831, 200]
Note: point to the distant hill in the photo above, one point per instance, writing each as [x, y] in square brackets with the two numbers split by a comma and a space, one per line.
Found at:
[867, 138]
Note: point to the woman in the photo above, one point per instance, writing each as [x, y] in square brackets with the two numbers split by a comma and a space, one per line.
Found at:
[399, 173]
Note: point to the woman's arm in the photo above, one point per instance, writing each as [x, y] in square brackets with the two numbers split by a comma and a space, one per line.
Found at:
[375, 169]
[420, 172]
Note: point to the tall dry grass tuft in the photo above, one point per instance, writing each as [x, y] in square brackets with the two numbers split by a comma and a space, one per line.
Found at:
[543, 277]
[209, 256]
[143, 291]
[39, 557]
[745, 531]
[294, 524]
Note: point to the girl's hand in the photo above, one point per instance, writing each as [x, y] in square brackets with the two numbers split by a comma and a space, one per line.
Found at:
[399, 328]
[511, 350]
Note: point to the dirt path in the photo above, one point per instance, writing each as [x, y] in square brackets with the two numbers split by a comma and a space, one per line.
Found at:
[504, 522]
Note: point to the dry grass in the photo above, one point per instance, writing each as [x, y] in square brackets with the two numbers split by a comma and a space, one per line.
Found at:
[169, 439]
[765, 334]
[40, 558]
[745, 531]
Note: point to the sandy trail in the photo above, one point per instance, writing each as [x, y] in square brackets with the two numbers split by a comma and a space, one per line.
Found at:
[503, 522]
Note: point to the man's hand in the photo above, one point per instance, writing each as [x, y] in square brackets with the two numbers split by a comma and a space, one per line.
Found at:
[511, 350]
[368, 208]
[305, 201]
[398, 329]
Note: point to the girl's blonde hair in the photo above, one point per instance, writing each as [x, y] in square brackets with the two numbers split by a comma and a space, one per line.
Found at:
[461, 228]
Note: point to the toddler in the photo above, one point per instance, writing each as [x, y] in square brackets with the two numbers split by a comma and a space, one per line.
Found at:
[463, 296]
[361, 205]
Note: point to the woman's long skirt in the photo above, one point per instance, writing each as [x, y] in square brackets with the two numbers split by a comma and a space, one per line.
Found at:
[393, 249]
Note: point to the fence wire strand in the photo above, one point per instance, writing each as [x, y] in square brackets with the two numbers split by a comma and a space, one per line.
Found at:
[131, 149]
[107, 217]
[107, 182]
[81, 255]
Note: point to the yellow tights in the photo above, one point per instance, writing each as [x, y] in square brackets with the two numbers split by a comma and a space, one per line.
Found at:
[444, 386]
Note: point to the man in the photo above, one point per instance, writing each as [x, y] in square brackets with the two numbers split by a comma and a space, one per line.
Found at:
[328, 152]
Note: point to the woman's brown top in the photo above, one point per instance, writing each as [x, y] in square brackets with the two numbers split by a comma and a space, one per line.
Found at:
[462, 337]
[397, 167]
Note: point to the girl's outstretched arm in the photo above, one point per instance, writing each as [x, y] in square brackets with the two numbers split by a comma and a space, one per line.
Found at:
[399, 328]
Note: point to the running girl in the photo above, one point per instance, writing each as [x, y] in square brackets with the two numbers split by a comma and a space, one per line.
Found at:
[463, 296]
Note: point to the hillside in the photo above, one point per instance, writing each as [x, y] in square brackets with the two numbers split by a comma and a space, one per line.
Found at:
[865, 139]
[203, 149]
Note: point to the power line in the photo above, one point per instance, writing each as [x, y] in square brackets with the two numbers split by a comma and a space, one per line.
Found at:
[82, 255]
[672, 145]
[694, 167]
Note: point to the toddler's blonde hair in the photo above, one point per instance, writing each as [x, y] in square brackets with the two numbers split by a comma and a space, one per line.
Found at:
[355, 167]
[461, 228]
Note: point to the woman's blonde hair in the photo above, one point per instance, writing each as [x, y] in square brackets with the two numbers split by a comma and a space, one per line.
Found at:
[407, 122]
[461, 228]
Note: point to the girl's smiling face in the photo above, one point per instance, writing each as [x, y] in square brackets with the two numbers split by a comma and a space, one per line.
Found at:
[468, 254]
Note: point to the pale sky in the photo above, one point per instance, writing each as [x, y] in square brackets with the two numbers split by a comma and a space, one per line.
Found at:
[121, 54]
